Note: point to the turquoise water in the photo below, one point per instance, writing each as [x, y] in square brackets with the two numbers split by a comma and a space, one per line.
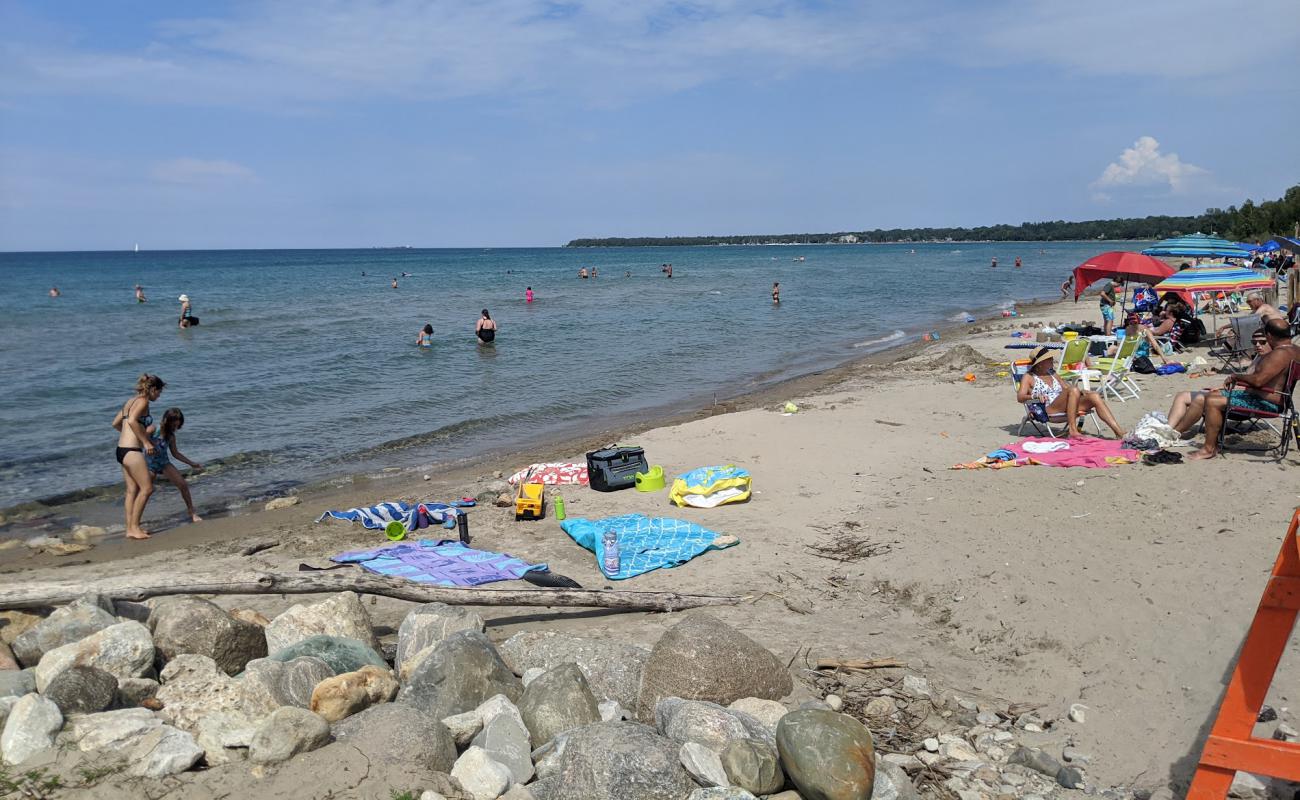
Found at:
[302, 369]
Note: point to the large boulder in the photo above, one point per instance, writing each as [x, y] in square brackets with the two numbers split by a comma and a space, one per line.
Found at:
[557, 701]
[709, 724]
[620, 761]
[224, 737]
[193, 687]
[752, 766]
[17, 682]
[480, 774]
[701, 658]
[301, 776]
[124, 650]
[339, 615]
[65, 625]
[394, 732]
[82, 690]
[458, 675]
[426, 626]
[828, 756]
[344, 695]
[164, 751]
[504, 737]
[287, 732]
[112, 731]
[613, 669]
[342, 654]
[30, 728]
[285, 683]
[194, 625]
[768, 712]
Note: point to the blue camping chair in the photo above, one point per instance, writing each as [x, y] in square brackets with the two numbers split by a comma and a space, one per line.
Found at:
[1036, 413]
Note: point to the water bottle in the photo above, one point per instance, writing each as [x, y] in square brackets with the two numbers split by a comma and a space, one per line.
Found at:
[610, 563]
[462, 521]
[559, 507]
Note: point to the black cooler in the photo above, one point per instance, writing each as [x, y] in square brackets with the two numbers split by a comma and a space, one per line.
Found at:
[614, 468]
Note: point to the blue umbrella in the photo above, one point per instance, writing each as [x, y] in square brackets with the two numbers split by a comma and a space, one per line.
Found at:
[1286, 243]
[1196, 245]
[1266, 247]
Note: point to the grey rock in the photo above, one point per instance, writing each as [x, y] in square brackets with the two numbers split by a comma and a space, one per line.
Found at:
[464, 727]
[701, 658]
[834, 702]
[620, 761]
[1248, 787]
[518, 793]
[17, 682]
[558, 701]
[164, 751]
[458, 675]
[340, 615]
[7, 705]
[131, 692]
[1075, 756]
[1035, 759]
[426, 626]
[194, 625]
[301, 776]
[546, 788]
[720, 793]
[504, 738]
[611, 711]
[709, 724]
[287, 732]
[82, 690]
[916, 686]
[1070, 778]
[481, 776]
[193, 687]
[341, 654]
[989, 719]
[892, 783]
[702, 764]
[531, 674]
[1285, 733]
[224, 737]
[613, 669]
[827, 756]
[124, 650]
[30, 728]
[113, 731]
[65, 625]
[768, 712]
[393, 732]
[546, 759]
[752, 766]
[285, 683]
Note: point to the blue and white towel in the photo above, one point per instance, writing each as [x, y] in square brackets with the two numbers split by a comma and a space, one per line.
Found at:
[644, 543]
[377, 517]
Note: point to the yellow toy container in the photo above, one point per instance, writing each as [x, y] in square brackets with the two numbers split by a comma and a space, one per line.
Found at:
[530, 501]
[650, 481]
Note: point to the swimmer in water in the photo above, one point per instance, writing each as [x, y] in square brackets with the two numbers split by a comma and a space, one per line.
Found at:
[994, 265]
[139, 294]
[1017, 262]
[776, 293]
[425, 337]
[528, 295]
[187, 318]
[582, 273]
[594, 272]
[54, 291]
[670, 270]
[394, 283]
[486, 328]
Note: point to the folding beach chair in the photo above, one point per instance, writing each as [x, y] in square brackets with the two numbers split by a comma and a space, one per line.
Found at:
[1072, 364]
[1231, 350]
[1036, 413]
[1115, 378]
[1250, 419]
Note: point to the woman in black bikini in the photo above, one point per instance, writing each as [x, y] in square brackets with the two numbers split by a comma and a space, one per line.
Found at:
[133, 446]
[486, 329]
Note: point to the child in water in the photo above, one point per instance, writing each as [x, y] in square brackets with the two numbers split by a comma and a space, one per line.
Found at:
[164, 440]
[425, 337]
[528, 295]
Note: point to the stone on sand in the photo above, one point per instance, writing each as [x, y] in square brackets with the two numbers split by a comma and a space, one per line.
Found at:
[282, 502]
[480, 774]
[224, 737]
[827, 756]
[65, 625]
[16, 683]
[131, 692]
[702, 658]
[426, 626]
[458, 675]
[613, 669]
[395, 732]
[164, 751]
[558, 701]
[702, 764]
[8, 661]
[82, 690]
[768, 712]
[620, 761]
[720, 793]
[708, 724]
[124, 650]
[344, 695]
[193, 687]
[340, 615]
[287, 732]
[194, 625]
[504, 737]
[112, 731]
[30, 728]
[752, 766]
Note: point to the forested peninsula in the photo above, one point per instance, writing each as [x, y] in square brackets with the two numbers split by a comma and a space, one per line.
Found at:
[1247, 223]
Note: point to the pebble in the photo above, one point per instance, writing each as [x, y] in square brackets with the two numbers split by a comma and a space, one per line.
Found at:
[879, 707]
[833, 702]
[1075, 756]
[931, 745]
[1078, 713]
[1285, 733]
[480, 775]
[282, 502]
[989, 718]
[916, 686]
[1069, 777]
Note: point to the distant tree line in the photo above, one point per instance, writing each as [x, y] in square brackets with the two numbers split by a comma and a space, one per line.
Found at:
[1248, 223]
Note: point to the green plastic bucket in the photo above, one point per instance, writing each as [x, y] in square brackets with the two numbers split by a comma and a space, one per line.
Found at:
[395, 531]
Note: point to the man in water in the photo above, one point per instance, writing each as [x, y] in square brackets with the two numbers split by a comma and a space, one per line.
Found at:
[1017, 262]
[1260, 388]
[776, 293]
[139, 294]
[594, 272]
[670, 270]
[54, 291]
[582, 273]
[994, 265]
[1107, 302]
[394, 283]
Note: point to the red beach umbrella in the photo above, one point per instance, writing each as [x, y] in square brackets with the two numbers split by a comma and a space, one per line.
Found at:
[1120, 265]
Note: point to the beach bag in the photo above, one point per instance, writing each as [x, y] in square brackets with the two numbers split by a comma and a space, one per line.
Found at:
[1143, 365]
[709, 487]
[612, 468]
[1144, 300]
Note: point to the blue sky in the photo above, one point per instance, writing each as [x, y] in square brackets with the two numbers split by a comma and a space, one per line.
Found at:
[527, 122]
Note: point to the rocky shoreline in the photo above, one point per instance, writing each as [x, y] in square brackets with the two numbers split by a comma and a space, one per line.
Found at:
[181, 695]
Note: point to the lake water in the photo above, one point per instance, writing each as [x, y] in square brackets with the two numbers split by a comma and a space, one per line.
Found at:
[303, 369]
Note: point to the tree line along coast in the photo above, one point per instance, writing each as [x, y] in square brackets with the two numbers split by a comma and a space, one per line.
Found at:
[1247, 223]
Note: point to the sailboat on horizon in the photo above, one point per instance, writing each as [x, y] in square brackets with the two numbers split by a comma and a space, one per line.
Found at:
[137, 247]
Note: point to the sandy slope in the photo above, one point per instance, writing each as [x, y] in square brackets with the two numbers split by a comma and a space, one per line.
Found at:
[1126, 589]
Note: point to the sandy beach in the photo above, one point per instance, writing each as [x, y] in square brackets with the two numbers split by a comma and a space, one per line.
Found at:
[1125, 589]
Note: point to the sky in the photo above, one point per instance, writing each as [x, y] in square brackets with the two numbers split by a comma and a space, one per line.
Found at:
[531, 122]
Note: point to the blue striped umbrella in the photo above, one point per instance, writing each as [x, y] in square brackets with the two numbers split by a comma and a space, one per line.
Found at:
[1196, 245]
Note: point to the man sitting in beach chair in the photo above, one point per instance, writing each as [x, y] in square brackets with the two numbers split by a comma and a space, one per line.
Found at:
[1259, 308]
[1039, 384]
[1232, 348]
[1261, 388]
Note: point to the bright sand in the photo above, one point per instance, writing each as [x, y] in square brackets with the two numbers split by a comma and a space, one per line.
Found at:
[1125, 589]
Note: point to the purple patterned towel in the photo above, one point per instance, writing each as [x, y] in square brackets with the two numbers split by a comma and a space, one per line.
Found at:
[439, 562]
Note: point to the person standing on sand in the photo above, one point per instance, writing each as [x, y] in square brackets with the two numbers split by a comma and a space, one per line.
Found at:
[486, 328]
[163, 440]
[133, 448]
[776, 293]
[1107, 301]
[139, 294]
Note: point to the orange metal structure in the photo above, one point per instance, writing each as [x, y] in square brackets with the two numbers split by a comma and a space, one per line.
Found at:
[1230, 746]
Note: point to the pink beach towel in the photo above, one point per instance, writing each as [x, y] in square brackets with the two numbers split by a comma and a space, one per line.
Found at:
[1086, 452]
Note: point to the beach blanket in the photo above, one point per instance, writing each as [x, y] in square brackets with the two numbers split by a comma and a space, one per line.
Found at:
[553, 473]
[377, 517]
[1045, 451]
[439, 562]
[644, 543]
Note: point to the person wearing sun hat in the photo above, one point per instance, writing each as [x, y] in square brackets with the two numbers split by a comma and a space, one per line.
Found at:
[1040, 384]
[187, 313]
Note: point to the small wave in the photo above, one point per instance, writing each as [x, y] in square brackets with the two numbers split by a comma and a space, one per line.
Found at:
[893, 337]
[960, 316]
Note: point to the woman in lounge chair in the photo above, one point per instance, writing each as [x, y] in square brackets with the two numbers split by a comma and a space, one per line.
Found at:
[1041, 384]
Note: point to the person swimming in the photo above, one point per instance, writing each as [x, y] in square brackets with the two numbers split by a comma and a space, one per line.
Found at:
[394, 283]
[582, 273]
[54, 291]
[486, 328]
[528, 295]
[776, 293]
[425, 337]
[139, 294]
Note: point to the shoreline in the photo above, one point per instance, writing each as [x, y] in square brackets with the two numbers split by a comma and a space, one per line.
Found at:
[86, 504]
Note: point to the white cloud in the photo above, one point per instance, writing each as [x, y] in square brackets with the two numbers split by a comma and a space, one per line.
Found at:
[1144, 165]
[200, 172]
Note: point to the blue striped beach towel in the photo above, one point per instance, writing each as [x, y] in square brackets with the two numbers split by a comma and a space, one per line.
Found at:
[377, 517]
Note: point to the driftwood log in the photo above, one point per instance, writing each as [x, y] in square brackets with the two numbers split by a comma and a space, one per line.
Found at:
[141, 586]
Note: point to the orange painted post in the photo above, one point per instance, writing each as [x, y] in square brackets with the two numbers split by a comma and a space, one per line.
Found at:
[1230, 746]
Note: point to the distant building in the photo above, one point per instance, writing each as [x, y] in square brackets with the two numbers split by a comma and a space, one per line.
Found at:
[848, 238]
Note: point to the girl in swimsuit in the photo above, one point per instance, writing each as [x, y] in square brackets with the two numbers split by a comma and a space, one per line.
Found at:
[187, 312]
[425, 337]
[133, 445]
[163, 440]
[1041, 385]
[486, 328]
